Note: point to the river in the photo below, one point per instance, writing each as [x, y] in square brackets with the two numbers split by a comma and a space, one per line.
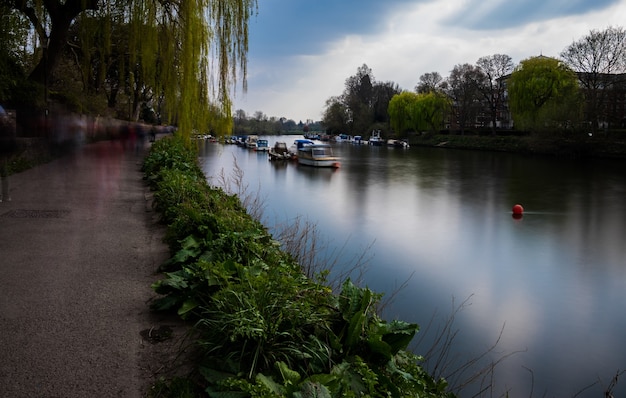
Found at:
[549, 288]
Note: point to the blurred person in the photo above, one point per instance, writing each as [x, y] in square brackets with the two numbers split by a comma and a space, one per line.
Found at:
[7, 147]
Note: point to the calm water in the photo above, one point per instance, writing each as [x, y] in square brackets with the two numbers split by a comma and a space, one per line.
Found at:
[441, 220]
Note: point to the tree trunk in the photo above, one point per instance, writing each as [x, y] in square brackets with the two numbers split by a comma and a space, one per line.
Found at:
[61, 16]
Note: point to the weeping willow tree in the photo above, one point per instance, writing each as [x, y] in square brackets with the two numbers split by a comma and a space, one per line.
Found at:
[544, 95]
[187, 54]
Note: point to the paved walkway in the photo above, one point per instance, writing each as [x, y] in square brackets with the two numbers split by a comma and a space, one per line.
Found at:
[78, 252]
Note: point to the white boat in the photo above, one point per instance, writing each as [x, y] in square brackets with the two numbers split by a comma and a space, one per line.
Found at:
[341, 138]
[318, 155]
[297, 144]
[358, 140]
[251, 141]
[376, 139]
[262, 145]
[397, 143]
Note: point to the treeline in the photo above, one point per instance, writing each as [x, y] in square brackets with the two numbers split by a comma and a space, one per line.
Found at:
[259, 123]
[581, 91]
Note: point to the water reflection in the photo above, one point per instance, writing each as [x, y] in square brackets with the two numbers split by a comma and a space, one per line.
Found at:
[556, 277]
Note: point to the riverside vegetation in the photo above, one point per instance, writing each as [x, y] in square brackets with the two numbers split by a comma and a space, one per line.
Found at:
[261, 327]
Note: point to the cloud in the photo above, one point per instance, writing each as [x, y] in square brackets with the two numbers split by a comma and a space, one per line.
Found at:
[288, 27]
[502, 14]
[400, 42]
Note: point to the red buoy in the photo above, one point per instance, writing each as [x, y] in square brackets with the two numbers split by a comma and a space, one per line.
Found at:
[518, 209]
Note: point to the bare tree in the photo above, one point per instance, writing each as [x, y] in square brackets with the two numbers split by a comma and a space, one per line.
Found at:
[597, 57]
[429, 82]
[463, 89]
[495, 68]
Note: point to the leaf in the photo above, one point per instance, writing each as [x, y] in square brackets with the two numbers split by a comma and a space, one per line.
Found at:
[313, 390]
[380, 348]
[214, 376]
[225, 394]
[288, 374]
[187, 306]
[400, 335]
[164, 303]
[355, 329]
[271, 384]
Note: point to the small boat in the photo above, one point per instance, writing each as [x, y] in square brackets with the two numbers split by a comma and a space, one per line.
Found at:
[251, 141]
[318, 155]
[262, 145]
[376, 139]
[297, 144]
[279, 151]
[397, 143]
[358, 140]
[312, 136]
[343, 138]
[241, 140]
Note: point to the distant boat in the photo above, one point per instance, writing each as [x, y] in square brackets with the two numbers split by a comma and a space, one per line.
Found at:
[312, 136]
[251, 141]
[343, 138]
[262, 145]
[398, 143]
[376, 139]
[279, 151]
[297, 144]
[318, 155]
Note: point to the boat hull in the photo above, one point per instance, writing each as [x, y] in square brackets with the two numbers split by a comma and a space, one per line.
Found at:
[320, 162]
[317, 156]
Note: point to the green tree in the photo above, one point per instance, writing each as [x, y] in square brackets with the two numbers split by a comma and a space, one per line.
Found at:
[362, 106]
[337, 118]
[400, 111]
[543, 94]
[430, 110]
[13, 57]
[188, 54]
[416, 112]
[599, 57]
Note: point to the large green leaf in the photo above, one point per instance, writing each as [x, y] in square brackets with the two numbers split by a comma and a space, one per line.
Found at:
[355, 330]
[187, 306]
[400, 335]
[271, 384]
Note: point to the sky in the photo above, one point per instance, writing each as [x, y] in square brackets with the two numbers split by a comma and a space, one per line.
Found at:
[302, 51]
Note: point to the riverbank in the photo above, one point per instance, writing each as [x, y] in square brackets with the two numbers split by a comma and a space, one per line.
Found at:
[262, 326]
[599, 146]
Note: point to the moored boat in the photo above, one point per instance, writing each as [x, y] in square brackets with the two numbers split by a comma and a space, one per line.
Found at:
[318, 155]
[279, 151]
[251, 141]
[262, 145]
[376, 139]
[397, 143]
[297, 144]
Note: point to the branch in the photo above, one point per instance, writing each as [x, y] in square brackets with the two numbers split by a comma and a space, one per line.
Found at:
[29, 12]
